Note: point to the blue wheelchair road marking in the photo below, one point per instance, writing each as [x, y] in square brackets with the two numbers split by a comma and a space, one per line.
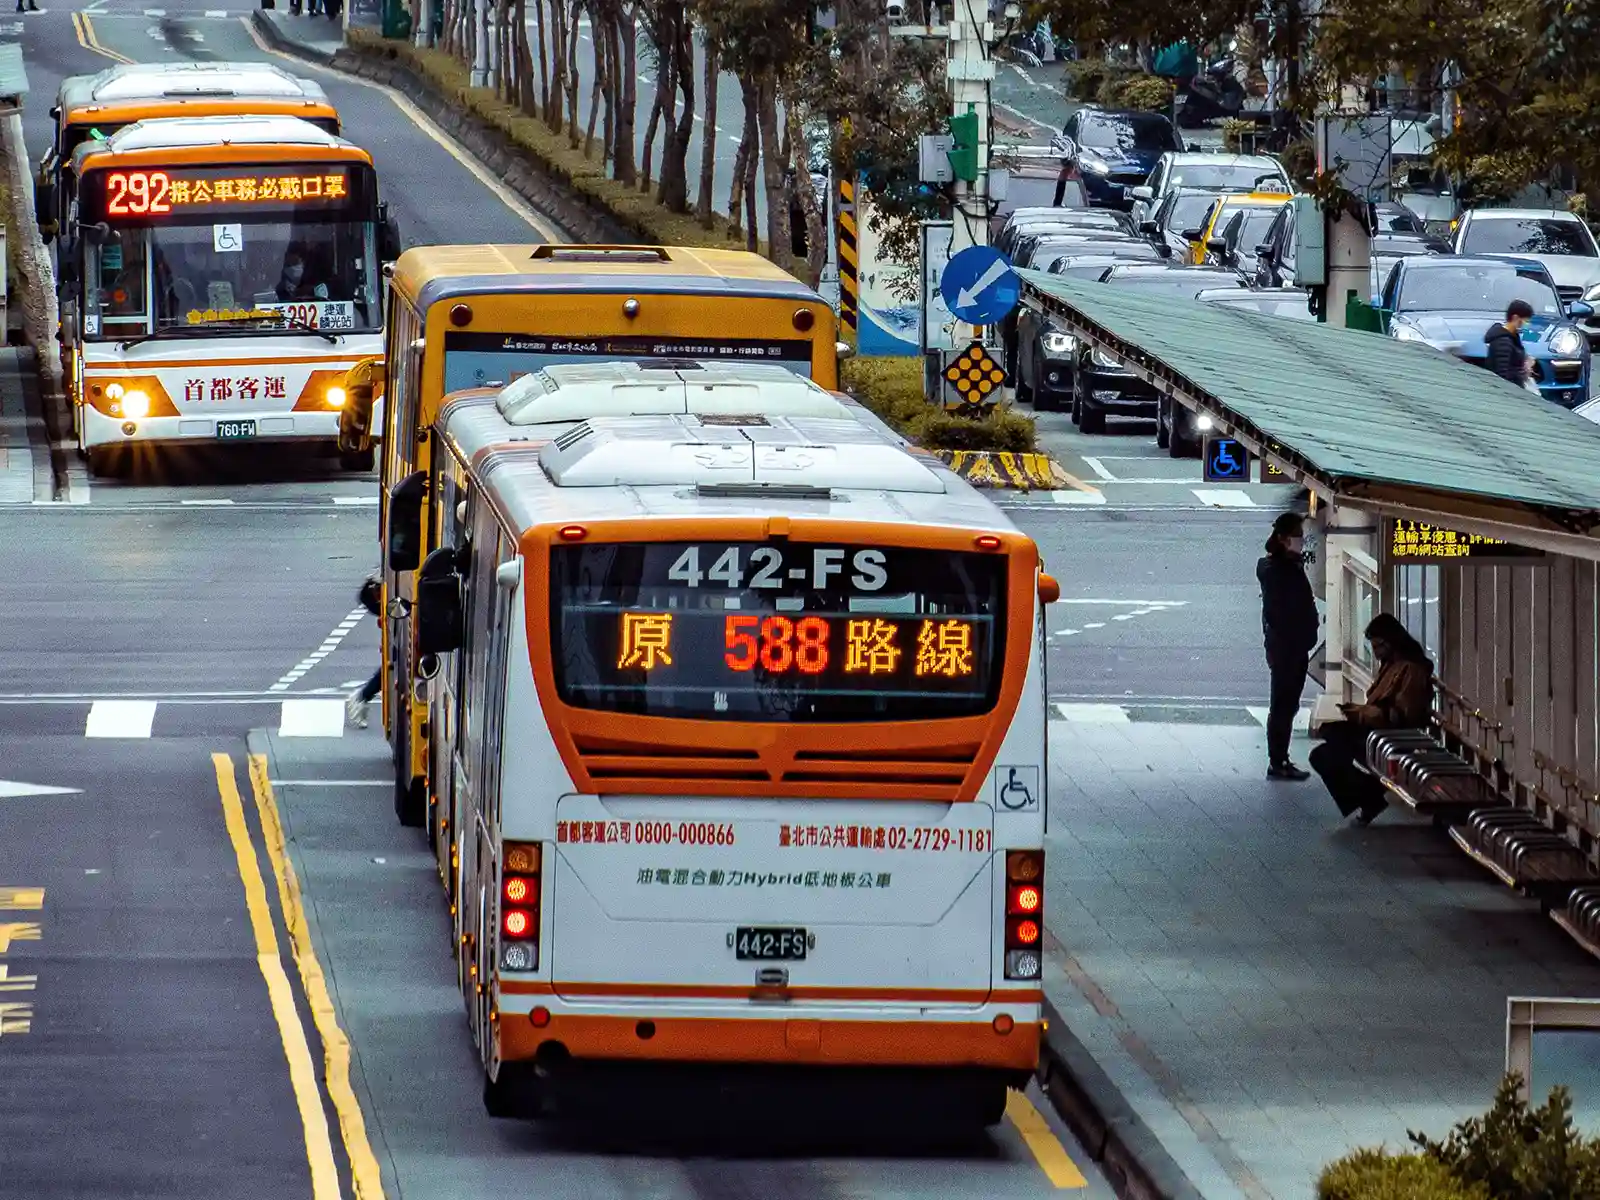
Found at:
[1226, 461]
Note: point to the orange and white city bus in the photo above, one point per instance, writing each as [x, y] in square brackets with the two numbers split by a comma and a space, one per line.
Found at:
[221, 276]
[748, 729]
[464, 317]
[93, 107]
[547, 404]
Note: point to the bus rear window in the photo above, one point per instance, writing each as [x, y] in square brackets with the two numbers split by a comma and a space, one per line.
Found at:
[780, 631]
[495, 359]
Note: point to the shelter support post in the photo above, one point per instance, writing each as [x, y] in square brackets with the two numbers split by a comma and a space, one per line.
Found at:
[1353, 590]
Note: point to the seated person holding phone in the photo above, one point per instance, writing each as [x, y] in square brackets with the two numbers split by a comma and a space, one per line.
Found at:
[1401, 697]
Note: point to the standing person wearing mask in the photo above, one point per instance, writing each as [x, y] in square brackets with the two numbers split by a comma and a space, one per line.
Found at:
[1401, 697]
[1507, 356]
[1289, 625]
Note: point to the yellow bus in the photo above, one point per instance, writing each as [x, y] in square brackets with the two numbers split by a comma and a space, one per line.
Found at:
[769, 691]
[463, 317]
[220, 277]
[97, 106]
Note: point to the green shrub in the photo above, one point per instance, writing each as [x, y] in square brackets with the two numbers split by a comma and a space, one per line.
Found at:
[892, 388]
[1377, 1175]
[1234, 130]
[1086, 76]
[1148, 92]
[1515, 1152]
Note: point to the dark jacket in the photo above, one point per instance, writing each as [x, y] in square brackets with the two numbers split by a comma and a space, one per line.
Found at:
[1507, 358]
[1288, 607]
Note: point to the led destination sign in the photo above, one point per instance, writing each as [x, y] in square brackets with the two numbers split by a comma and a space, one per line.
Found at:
[154, 195]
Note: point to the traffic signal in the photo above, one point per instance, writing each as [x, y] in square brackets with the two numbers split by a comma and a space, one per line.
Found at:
[964, 155]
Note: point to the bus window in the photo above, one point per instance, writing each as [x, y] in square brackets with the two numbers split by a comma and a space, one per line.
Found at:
[116, 295]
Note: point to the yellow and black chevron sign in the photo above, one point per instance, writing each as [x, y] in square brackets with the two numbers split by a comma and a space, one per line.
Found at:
[849, 256]
[1024, 472]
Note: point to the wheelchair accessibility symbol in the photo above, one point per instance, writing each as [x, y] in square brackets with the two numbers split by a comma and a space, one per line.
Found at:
[1016, 789]
[1226, 461]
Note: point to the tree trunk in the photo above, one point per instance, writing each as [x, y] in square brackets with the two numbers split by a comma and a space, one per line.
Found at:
[572, 77]
[708, 145]
[625, 31]
[598, 90]
[772, 173]
[816, 223]
[746, 157]
[666, 36]
[527, 99]
[675, 165]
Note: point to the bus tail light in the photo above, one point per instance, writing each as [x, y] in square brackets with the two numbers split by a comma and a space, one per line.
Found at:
[519, 907]
[1024, 914]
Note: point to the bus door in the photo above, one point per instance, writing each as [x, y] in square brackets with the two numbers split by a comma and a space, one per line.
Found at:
[449, 494]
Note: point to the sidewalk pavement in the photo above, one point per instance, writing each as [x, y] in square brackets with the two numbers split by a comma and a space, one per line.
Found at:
[24, 474]
[314, 37]
[1266, 988]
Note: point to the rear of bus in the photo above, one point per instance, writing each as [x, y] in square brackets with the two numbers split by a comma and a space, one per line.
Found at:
[484, 316]
[788, 811]
[93, 107]
[190, 320]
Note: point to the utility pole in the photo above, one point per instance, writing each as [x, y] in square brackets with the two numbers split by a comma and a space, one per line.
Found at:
[970, 72]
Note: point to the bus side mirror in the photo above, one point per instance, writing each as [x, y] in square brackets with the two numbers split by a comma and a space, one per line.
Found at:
[388, 235]
[438, 613]
[44, 204]
[405, 521]
[1049, 589]
[844, 351]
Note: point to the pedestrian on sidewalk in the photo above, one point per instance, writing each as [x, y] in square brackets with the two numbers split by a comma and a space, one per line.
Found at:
[1289, 627]
[359, 701]
[1507, 358]
[1401, 697]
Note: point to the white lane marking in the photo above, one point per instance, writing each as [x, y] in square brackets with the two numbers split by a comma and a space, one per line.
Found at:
[1094, 625]
[1221, 498]
[1302, 718]
[312, 718]
[1094, 714]
[1127, 603]
[1065, 633]
[11, 789]
[1074, 496]
[328, 646]
[1098, 468]
[1124, 616]
[120, 719]
[1022, 116]
[219, 503]
[155, 12]
[218, 13]
[418, 118]
[371, 501]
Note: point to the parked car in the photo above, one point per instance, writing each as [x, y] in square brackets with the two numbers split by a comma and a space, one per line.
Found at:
[1235, 249]
[1033, 179]
[1175, 224]
[1558, 239]
[1292, 304]
[1451, 301]
[1100, 383]
[1396, 218]
[1043, 357]
[1113, 149]
[1388, 249]
[1213, 172]
[1223, 209]
[1037, 247]
[1033, 220]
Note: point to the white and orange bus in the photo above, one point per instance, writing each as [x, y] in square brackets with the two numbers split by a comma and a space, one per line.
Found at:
[220, 276]
[747, 724]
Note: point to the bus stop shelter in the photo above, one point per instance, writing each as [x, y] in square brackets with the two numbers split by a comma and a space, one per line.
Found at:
[1466, 506]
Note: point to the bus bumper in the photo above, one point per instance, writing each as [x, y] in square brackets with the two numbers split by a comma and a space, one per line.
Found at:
[1001, 1038]
[101, 430]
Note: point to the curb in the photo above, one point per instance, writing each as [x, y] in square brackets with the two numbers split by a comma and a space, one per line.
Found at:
[1029, 471]
[523, 173]
[1130, 1156]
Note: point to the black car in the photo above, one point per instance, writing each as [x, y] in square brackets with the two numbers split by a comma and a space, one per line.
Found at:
[1034, 220]
[1397, 218]
[1114, 149]
[1043, 357]
[1100, 384]
[1178, 221]
[1036, 250]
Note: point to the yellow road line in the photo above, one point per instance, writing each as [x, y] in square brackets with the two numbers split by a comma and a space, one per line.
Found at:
[1048, 1151]
[421, 120]
[364, 1169]
[89, 41]
[302, 1073]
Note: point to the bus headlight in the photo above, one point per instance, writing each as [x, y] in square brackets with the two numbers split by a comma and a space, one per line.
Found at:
[135, 404]
[335, 396]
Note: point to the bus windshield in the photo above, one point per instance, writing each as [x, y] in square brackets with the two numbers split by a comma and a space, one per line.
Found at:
[322, 273]
[495, 359]
[758, 632]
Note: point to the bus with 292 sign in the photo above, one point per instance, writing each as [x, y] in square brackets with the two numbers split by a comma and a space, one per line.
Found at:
[463, 317]
[220, 277]
[747, 722]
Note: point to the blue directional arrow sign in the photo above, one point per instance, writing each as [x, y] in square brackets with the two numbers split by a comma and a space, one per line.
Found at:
[979, 286]
[1226, 461]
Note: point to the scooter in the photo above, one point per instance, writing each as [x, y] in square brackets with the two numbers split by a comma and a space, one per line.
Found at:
[1213, 95]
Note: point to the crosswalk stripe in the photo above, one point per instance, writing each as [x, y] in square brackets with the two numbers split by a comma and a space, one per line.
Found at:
[120, 719]
[1223, 498]
[312, 718]
[1094, 714]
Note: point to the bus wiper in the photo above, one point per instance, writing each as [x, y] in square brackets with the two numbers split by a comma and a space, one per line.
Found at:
[296, 323]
